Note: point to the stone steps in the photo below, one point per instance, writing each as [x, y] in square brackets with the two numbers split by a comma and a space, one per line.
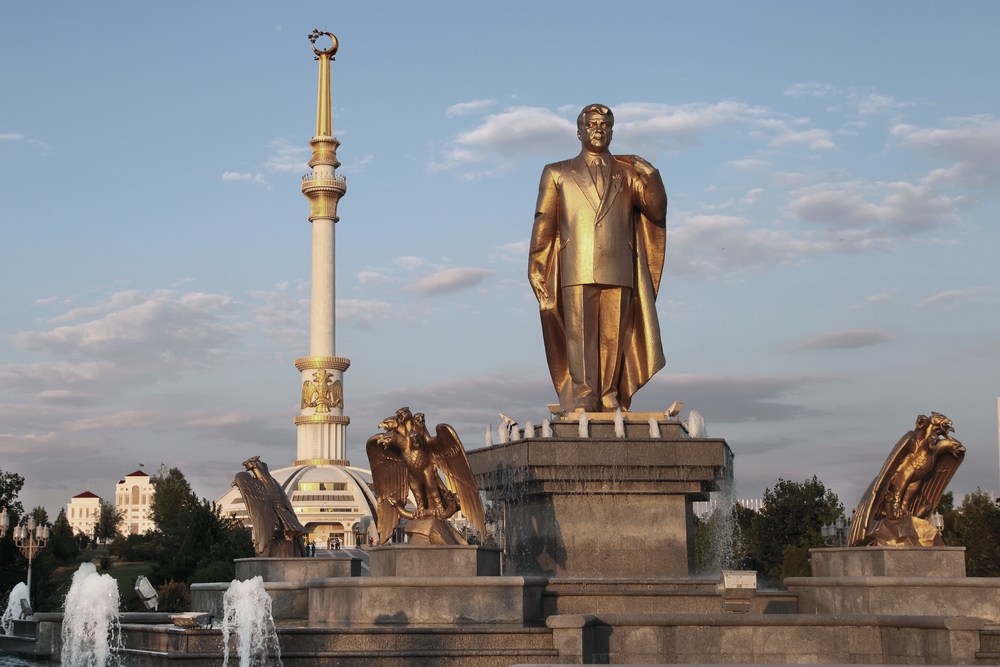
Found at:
[473, 646]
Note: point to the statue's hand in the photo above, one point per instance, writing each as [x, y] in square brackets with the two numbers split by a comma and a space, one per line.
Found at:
[644, 168]
[541, 291]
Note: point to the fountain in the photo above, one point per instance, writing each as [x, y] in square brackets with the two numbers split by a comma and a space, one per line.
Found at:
[13, 611]
[247, 620]
[90, 629]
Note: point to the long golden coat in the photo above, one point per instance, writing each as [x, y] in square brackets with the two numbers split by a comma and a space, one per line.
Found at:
[617, 237]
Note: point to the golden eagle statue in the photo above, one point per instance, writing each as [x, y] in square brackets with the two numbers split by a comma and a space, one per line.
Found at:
[895, 508]
[277, 532]
[406, 458]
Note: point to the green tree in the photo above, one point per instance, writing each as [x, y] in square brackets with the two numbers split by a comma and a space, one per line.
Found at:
[40, 515]
[171, 495]
[977, 528]
[788, 526]
[13, 566]
[108, 523]
[192, 540]
[62, 540]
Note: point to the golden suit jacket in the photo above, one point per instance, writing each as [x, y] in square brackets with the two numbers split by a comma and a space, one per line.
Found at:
[583, 237]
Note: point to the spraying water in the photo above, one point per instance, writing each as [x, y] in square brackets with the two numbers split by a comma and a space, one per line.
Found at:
[546, 428]
[529, 430]
[247, 619]
[13, 612]
[583, 430]
[654, 428]
[90, 632]
[619, 424]
[696, 425]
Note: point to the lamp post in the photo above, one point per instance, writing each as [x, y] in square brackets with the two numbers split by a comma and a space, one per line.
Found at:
[29, 539]
[835, 534]
[937, 521]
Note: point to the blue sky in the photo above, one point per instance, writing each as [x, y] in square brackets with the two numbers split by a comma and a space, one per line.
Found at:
[830, 274]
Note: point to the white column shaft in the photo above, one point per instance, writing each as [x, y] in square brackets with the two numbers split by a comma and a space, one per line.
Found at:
[321, 313]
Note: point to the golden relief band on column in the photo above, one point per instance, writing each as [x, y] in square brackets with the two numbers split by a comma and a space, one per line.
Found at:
[324, 151]
[315, 363]
[322, 419]
[322, 392]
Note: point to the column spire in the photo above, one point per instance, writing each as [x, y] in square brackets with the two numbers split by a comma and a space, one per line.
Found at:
[322, 424]
[324, 110]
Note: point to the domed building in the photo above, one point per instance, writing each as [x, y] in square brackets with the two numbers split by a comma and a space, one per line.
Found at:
[331, 501]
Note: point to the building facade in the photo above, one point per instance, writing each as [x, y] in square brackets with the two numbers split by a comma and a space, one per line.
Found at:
[133, 496]
[83, 510]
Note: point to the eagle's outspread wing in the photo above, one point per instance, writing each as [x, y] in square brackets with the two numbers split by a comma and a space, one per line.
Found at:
[871, 507]
[449, 456]
[389, 477]
[260, 507]
[949, 456]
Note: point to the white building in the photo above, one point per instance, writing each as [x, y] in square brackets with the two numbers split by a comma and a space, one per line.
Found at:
[330, 501]
[133, 496]
[83, 510]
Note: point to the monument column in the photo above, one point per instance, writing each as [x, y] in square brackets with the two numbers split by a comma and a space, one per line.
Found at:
[322, 425]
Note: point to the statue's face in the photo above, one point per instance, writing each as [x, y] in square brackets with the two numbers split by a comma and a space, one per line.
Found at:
[595, 135]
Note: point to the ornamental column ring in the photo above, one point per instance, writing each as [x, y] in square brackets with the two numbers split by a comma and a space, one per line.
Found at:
[315, 34]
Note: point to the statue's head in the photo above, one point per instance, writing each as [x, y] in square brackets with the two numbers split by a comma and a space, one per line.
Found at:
[594, 128]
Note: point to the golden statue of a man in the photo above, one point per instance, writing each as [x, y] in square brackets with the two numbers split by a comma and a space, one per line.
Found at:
[595, 262]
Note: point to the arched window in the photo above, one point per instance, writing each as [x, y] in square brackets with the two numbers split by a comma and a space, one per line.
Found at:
[135, 495]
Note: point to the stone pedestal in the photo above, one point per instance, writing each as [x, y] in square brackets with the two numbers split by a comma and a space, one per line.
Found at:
[285, 580]
[338, 564]
[601, 506]
[888, 562]
[908, 581]
[408, 560]
[428, 585]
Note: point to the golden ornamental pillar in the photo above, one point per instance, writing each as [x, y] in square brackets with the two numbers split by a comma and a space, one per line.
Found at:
[322, 425]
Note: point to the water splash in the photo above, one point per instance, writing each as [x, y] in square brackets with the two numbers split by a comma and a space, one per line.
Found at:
[654, 428]
[247, 620]
[13, 612]
[515, 433]
[489, 434]
[529, 430]
[619, 424]
[696, 425]
[90, 630]
[584, 431]
[546, 428]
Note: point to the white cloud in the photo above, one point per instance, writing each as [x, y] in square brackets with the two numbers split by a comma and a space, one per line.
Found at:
[951, 296]
[362, 312]
[132, 337]
[845, 339]
[639, 126]
[904, 211]
[749, 164]
[284, 312]
[815, 139]
[513, 252]
[973, 142]
[236, 176]
[463, 108]
[726, 244]
[449, 280]
[287, 157]
[874, 103]
[67, 397]
[410, 262]
[753, 196]
[371, 278]
[11, 136]
[811, 89]
[130, 419]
